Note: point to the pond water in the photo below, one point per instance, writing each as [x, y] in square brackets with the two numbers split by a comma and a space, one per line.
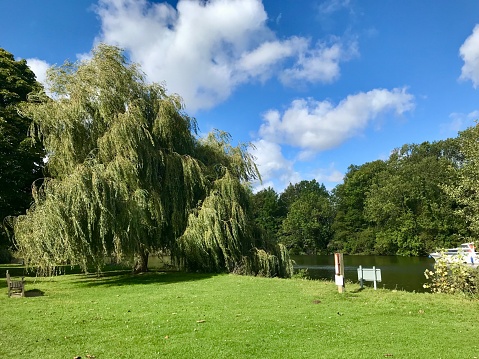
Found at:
[401, 273]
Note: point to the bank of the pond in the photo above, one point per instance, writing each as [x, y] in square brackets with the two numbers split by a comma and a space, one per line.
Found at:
[403, 273]
[177, 315]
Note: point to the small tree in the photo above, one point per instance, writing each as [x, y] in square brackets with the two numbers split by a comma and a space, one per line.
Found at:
[128, 176]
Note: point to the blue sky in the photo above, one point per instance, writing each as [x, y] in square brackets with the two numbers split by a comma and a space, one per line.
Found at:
[315, 85]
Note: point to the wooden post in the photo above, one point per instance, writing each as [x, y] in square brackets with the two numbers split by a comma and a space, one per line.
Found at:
[339, 271]
[375, 278]
[361, 276]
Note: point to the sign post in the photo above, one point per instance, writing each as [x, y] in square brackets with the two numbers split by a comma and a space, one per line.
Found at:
[369, 274]
[339, 271]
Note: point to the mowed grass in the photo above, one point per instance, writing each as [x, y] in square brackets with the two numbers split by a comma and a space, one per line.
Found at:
[178, 315]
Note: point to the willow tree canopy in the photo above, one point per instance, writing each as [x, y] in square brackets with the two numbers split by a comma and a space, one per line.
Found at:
[127, 175]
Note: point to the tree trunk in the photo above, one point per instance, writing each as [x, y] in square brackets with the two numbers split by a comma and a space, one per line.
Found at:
[141, 264]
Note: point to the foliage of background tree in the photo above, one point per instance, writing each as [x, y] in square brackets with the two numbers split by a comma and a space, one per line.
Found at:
[268, 212]
[399, 206]
[352, 232]
[466, 190]
[294, 191]
[20, 158]
[128, 176]
[307, 226]
[408, 206]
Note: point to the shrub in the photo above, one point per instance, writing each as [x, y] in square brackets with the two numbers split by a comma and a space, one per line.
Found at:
[453, 277]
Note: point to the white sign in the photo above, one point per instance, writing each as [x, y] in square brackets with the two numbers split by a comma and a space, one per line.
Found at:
[339, 279]
[369, 274]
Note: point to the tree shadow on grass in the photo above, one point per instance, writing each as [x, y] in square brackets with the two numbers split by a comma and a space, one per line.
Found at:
[34, 293]
[112, 276]
[126, 277]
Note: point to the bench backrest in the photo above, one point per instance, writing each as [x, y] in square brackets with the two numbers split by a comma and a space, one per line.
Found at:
[14, 283]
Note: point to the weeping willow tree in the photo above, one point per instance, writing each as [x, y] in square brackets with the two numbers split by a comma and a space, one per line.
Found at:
[127, 176]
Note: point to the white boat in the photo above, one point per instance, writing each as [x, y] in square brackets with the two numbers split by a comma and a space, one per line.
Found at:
[466, 253]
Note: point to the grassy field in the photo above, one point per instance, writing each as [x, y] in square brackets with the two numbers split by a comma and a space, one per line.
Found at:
[176, 315]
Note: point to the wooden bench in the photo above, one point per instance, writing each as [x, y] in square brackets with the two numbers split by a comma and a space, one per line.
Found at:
[15, 286]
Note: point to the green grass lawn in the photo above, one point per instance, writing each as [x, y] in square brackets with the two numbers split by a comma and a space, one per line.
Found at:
[177, 315]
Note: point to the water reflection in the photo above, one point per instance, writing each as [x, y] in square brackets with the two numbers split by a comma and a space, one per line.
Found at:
[402, 273]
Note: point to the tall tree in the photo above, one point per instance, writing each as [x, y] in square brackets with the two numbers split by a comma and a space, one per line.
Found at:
[128, 176]
[293, 192]
[353, 232]
[268, 212]
[466, 191]
[20, 157]
[408, 205]
[307, 226]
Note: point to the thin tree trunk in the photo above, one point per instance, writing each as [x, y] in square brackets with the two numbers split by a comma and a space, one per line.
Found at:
[141, 264]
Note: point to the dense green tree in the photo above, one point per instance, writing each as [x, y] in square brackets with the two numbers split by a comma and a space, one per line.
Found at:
[466, 191]
[353, 233]
[410, 210]
[20, 157]
[293, 192]
[128, 176]
[268, 212]
[307, 226]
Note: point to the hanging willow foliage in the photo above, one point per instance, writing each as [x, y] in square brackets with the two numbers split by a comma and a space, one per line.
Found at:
[128, 176]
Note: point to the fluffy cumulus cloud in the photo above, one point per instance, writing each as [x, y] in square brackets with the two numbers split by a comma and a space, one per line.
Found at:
[319, 64]
[204, 49]
[276, 171]
[469, 52]
[320, 125]
[39, 68]
[311, 126]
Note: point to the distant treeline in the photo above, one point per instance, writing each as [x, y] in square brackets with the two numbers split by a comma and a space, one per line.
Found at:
[421, 198]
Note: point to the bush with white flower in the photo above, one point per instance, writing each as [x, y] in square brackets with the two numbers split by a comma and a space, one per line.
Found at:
[453, 277]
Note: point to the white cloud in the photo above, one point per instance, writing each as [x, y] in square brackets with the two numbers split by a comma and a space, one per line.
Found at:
[320, 64]
[319, 125]
[259, 61]
[459, 122]
[276, 171]
[331, 6]
[203, 50]
[474, 115]
[329, 175]
[39, 68]
[469, 52]
[335, 176]
[310, 126]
